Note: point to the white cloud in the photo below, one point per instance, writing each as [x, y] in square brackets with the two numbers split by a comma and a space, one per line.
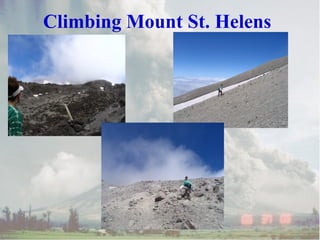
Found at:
[301, 142]
[81, 58]
[62, 177]
[286, 191]
[149, 58]
[258, 177]
[184, 84]
[142, 159]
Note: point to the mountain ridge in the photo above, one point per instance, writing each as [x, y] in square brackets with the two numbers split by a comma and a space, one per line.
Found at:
[87, 204]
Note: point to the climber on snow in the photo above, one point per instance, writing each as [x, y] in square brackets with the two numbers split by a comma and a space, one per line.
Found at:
[220, 93]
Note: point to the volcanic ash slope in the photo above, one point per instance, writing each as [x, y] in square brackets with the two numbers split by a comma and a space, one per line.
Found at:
[157, 205]
[90, 104]
[261, 102]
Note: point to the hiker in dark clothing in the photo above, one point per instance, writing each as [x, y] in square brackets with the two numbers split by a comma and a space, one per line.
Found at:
[220, 93]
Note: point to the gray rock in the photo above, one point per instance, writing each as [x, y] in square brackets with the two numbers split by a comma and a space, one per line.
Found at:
[215, 189]
[160, 196]
[198, 194]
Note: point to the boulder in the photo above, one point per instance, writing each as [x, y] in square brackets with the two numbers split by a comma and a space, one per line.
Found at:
[215, 189]
[198, 194]
[159, 197]
[188, 225]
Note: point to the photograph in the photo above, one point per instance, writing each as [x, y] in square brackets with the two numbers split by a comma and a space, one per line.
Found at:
[271, 187]
[65, 85]
[240, 79]
[162, 176]
[55, 187]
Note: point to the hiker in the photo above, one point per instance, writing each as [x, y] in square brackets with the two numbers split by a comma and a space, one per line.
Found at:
[186, 187]
[220, 90]
[15, 117]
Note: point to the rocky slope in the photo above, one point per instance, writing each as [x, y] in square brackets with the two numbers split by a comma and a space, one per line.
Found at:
[90, 104]
[269, 66]
[157, 205]
[259, 103]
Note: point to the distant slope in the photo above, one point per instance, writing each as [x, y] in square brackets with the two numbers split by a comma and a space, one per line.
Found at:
[88, 206]
[274, 64]
[135, 207]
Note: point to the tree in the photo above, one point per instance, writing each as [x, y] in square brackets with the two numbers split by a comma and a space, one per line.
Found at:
[21, 219]
[315, 212]
[73, 224]
[315, 216]
[29, 211]
[14, 221]
[7, 213]
[32, 223]
[44, 227]
[5, 224]
[48, 215]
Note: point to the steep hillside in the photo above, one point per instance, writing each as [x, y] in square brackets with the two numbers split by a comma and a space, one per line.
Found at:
[90, 104]
[258, 103]
[158, 205]
[269, 66]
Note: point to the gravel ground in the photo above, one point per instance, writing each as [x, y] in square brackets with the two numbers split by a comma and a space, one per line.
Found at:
[155, 205]
[261, 103]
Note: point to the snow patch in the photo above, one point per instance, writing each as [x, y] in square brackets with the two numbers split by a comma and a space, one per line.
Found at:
[202, 98]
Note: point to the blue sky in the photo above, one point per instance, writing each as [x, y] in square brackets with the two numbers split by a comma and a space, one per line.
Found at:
[66, 58]
[24, 52]
[213, 56]
[164, 151]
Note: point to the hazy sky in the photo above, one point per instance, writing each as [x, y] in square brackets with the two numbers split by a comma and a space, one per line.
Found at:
[261, 178]
[206, 57]
[135, 152]
[67, 58]
[42, 171]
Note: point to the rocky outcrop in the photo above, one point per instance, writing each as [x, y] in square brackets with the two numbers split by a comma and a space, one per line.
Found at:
[90, 104]
[157, 205]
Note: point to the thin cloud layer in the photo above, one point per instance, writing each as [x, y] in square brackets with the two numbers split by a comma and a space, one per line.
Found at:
[183, 84]
[142, 159]
[261, 179]
[65, 176]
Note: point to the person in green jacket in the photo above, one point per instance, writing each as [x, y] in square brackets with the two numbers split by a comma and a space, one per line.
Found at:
[15, 117]
[186, 187]
[187, 183]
